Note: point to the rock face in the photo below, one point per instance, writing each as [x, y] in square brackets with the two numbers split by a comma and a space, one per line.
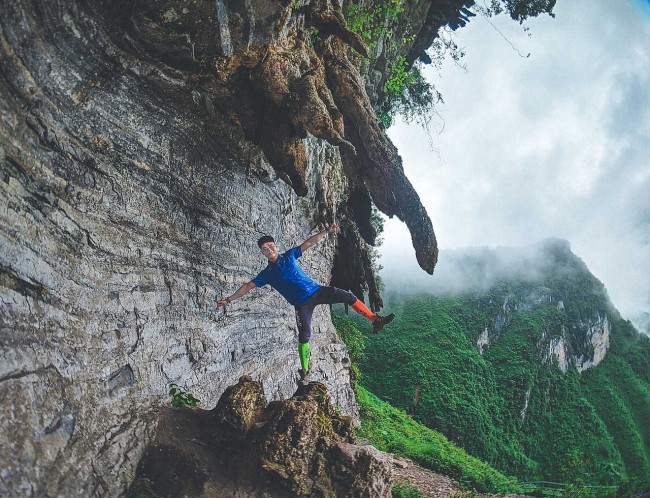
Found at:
[144, 147]
[596, 333]
[297, 447]
[527, 299]
[123, 220]
[583, 346]
[579, 337]
[108, 296]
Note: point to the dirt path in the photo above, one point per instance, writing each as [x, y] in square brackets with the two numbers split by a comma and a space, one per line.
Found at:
[431, 485]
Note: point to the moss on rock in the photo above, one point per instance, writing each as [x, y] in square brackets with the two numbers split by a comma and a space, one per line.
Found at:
[240, 406]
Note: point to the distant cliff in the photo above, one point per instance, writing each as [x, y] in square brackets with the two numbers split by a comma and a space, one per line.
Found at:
[144, 147]
[525, 364]
[582, 339]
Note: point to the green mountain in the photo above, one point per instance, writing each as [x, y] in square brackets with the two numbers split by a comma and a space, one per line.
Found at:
[532, 370]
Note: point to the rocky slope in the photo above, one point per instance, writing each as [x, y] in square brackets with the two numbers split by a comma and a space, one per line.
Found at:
[247, 448]
[144, 147]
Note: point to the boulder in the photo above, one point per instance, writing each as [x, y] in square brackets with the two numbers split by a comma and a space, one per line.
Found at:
[240, 406]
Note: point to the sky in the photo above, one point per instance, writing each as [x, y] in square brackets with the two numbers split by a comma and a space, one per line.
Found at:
[551, 144]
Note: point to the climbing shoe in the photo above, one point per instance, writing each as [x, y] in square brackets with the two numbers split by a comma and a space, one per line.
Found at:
[380, 321]
[305, 376]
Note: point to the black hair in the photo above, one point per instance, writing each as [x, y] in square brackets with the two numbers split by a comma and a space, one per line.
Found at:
[263, 240]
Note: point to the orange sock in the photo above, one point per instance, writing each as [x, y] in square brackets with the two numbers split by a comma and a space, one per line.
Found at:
[362, 309]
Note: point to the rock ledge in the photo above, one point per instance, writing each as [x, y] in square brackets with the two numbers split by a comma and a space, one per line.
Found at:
[243, 447]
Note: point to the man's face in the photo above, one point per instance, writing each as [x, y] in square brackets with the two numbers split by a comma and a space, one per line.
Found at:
[270, 250]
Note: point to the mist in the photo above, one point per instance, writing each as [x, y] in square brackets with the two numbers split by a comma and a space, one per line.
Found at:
[480, 268]
[546, 133]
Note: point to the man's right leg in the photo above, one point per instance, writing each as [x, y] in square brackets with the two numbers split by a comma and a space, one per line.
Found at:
[332, 295]
[359, 306]
[378, 321]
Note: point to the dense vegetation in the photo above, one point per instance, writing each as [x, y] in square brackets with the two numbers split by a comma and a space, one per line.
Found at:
[393, 430]
[512, 405]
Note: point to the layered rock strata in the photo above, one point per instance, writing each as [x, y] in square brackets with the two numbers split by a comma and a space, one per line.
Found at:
[144, 147]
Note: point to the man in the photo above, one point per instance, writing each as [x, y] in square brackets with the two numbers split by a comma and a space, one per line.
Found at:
[285, 275]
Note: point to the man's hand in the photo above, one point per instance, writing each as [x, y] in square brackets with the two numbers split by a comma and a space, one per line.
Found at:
[238, 293]
[333, 228]
[315, 239]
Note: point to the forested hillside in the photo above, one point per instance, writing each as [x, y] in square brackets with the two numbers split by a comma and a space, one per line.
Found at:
[536, 374]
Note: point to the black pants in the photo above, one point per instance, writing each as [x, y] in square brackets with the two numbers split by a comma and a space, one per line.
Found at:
[324, 295]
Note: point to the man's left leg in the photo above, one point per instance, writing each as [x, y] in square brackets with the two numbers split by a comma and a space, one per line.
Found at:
[303, 320]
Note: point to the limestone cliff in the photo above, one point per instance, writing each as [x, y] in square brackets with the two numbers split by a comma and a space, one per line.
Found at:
[582, 345]
[144, 147]
[556, 278]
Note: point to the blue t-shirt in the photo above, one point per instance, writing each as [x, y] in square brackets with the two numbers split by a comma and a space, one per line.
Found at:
[288, 278]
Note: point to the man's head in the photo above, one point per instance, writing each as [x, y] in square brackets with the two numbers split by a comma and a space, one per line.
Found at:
[268, 247]
[264, 239]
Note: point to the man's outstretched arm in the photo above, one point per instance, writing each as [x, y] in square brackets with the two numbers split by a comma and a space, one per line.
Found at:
[248, 286]
[315, 239]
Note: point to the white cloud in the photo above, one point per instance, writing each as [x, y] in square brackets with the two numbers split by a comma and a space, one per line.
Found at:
[553, 145]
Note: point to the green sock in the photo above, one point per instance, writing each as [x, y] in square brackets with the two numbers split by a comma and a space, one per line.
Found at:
[303, 351]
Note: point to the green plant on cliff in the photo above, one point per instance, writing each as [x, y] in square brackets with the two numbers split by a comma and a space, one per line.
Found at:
[407, 94]
[519, 10]
[181, 397]
[375, 20]
[406, 91]
[405, 489]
